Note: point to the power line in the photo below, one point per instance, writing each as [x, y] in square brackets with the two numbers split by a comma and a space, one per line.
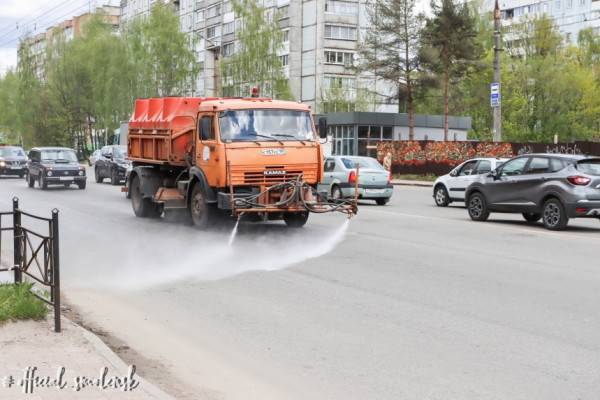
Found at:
[56, 20]
[32, 20]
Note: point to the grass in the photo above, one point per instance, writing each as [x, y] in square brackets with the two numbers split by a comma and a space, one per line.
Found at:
[415, 177]
[17, 302]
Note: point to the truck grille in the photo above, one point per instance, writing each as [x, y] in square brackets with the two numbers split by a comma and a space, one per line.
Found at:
[272, 175]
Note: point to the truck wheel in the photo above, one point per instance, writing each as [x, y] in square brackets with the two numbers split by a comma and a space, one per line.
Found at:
[203, 214]
[296, 220]
[142, 207]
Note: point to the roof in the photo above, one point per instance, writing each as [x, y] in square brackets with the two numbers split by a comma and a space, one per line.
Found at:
[397, 119]
[51, 148]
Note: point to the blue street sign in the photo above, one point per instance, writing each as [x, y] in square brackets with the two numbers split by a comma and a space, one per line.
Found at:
[495, 94]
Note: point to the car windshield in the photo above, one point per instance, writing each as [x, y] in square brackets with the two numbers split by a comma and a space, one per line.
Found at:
[265, 124]
[11, 152]
[120, 152]
[365, 162]
[590, 167]
[59, 155]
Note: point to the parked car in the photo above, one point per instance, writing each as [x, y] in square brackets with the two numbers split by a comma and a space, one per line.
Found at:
[112, 164]
[339, 178]
[452, 186]
[54, 166]
[13, 161]
[94, 157]
[550, 187]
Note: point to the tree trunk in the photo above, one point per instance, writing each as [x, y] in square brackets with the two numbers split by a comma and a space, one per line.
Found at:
[446, 88]
[410, 105]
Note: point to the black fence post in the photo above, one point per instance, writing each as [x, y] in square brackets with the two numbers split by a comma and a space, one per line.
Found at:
[56, 270]
[17, 234]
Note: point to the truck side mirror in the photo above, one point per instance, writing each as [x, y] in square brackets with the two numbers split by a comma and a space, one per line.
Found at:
[323, 127]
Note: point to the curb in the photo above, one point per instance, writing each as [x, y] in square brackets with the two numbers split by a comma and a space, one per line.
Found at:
[412, 183]
[116, 361]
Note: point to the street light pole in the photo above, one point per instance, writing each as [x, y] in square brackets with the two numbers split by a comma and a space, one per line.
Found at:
[496, 108]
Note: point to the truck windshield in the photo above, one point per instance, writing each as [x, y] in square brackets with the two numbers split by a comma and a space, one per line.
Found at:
[265, 124]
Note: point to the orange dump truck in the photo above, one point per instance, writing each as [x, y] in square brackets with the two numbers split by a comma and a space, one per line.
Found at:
[203, 158]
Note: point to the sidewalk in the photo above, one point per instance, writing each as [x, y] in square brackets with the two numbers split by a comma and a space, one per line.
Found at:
[401, 182]
[31, 351]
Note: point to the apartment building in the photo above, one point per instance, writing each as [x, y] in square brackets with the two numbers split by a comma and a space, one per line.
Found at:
[71, 28]
[570, 16]
[318, 52]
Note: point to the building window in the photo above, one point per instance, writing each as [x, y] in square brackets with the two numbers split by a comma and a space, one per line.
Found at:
[343, 140]
[340, 82]
[213, 11]
[228, 49]
[227, 7]
[341, 7]
[569, 3]
[285, 60]
[212, 32]
[228, 28]
[283, 12]
[557, 5]
[340, 32]
[339, 57]
[286, 36]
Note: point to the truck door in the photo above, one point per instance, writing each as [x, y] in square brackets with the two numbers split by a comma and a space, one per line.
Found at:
[207, 154]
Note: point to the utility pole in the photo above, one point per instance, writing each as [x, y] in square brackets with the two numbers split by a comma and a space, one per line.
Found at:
[495, 87]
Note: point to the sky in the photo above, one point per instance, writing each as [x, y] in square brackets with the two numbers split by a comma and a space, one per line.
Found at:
[20, 17]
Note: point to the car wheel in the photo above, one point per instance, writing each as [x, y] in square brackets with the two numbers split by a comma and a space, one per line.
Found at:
[81, 185]
[114, 179]
[441, 196]
[532, 217]
[477, 207]
[30, 181]
[42, 182]
[203, 213]
[554, 215]
[336, 193]
[382, 202]
[295, 220]
[97, 175]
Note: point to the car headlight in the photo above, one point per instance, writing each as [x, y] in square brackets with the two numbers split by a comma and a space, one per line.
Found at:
[2, 163]
[49, 173]
[80, 172]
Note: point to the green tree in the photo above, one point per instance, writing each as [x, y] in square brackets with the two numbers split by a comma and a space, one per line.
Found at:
[391, 48]
[161, 54]
[450, 49]
[255, 62]
[9, 112]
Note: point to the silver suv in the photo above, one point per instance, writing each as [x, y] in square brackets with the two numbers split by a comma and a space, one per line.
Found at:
[551, 187]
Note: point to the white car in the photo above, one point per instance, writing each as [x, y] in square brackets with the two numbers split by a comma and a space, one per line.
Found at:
[452, 186]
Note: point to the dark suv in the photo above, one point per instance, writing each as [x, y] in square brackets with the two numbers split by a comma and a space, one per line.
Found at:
[112, 164]
[550, 187]
[13, 161]
[54, 166]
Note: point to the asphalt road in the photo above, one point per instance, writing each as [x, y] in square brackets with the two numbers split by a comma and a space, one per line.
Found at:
[410, 302]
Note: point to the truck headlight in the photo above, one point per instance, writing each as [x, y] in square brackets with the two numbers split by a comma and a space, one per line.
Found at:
[81, 173]
[49, 173]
